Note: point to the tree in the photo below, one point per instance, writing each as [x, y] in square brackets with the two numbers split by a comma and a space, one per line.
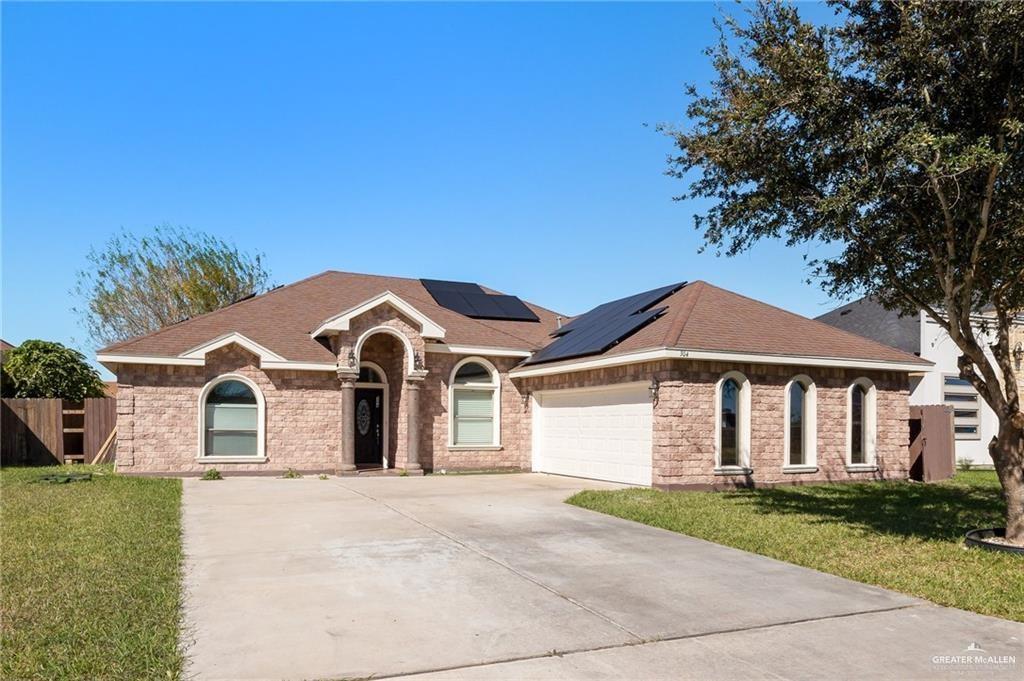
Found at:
[135, 286]
[39, 368]
[893, 137]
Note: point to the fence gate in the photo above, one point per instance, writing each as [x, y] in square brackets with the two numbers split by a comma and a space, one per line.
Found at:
[42, 432]
[932, 446]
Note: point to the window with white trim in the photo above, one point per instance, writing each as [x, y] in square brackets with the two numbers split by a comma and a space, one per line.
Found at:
[801, 423]
[732, 421]
[960, 394]
[730, 448]
[474, 405]
[862, 420]
[368, 374]
[231, 420]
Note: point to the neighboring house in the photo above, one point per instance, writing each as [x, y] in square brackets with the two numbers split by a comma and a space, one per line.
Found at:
[684, 386]
[974, 423]
[4, 347]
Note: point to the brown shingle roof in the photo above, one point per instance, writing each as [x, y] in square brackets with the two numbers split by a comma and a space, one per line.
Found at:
[281, 320]
[705, 317]
[699, 317]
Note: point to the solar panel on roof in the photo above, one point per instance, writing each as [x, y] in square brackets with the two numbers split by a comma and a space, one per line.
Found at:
[454, 301]
[604, 326]
[511, 307]
[433, 285]
[624, 306]
[472, 301]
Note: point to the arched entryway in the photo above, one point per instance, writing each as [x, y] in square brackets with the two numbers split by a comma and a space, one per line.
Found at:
[372, 417]
[399, 368]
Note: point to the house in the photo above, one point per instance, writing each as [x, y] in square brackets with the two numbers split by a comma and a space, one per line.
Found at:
[974, 423]
[688, 385]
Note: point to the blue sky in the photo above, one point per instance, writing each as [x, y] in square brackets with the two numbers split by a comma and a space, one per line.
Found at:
[512, 145]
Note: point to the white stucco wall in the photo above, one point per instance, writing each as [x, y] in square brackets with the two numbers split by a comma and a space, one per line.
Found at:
[937, 347]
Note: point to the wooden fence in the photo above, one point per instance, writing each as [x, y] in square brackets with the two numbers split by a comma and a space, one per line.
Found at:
[932, 445]
[41, 432]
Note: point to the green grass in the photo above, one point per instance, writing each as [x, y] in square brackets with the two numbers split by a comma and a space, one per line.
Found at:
[89, 585]
[899, 535]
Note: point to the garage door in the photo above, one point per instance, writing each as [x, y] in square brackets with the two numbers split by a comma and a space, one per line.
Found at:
[603, 434]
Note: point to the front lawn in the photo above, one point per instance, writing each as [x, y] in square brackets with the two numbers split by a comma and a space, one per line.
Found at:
[898, 535]
[89, 583]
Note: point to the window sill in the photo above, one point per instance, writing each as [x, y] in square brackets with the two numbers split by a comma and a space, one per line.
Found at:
[733, 470]
[477, 448]
[799, 469]
[861, 468]
[231, 459]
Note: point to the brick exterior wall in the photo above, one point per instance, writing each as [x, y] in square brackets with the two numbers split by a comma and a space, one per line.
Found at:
[515, 421]
[683, 440]
[158, 409]
[158, 416]
[158, 413]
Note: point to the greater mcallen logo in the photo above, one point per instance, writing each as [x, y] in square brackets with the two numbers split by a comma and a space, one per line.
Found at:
[974, 655]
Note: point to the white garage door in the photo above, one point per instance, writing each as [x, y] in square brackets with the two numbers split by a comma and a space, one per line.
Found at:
[603, 434]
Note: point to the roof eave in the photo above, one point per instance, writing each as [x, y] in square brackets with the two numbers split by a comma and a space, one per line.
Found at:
[655, 354]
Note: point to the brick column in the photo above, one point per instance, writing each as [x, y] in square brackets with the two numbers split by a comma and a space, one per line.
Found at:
[348, 421]
[125, 426]
[412, 397]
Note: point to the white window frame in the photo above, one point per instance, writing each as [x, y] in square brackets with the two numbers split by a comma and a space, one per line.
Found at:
[261, 418]
[809, 427]
[494, 385]
[963, 405]
[870, 426]
[742, 425]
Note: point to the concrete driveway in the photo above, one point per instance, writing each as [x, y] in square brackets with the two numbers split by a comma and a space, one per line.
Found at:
[493, 577]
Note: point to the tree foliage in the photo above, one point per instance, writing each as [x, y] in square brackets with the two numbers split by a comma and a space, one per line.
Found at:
[38, 368]
[893, 134]
[136, 285]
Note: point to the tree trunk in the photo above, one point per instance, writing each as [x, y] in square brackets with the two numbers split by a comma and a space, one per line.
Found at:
[1007, 450]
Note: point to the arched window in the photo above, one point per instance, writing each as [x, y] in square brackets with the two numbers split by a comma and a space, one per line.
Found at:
[860, 443]
[474, 405]
[231, 419]
[368, 374]
[801, 424]
[858, 396]
[730, 421]
[733, 421]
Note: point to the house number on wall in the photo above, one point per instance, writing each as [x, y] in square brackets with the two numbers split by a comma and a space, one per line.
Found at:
[363, 417]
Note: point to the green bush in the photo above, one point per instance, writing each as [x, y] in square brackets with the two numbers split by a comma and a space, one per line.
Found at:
[212, 474]
[39, 368]
[291, 474]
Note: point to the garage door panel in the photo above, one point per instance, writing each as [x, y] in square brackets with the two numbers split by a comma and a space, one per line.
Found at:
[603, 434]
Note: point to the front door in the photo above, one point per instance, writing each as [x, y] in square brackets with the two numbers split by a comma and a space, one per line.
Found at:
[369, 426]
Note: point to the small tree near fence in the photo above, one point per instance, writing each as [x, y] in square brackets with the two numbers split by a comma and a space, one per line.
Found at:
[39, 368]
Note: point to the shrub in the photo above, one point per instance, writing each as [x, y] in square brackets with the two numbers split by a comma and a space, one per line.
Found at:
[291, 474]
[963, 464]
[42, 369]
[323, 476]
[212, 474]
